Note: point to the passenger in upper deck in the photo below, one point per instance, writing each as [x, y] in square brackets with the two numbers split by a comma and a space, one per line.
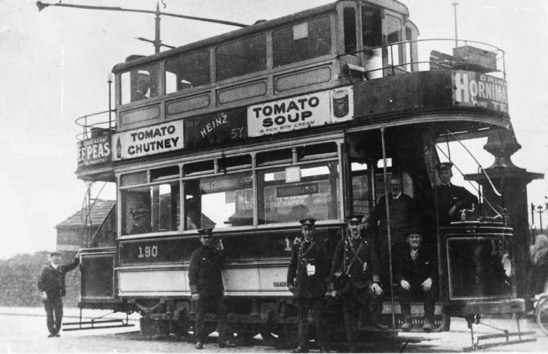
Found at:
[142, 87]
[141, 221]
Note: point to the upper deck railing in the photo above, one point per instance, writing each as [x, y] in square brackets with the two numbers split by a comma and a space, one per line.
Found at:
[383, 61]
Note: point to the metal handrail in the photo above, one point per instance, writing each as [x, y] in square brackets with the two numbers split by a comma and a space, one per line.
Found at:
[88, 123]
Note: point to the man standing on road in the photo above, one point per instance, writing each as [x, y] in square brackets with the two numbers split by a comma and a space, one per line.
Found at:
[206, 286]
[307, 280]
[355, 276]
[52, 289]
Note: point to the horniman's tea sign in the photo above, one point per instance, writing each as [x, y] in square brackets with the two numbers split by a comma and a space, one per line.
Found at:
[300, 112]
[148, 141]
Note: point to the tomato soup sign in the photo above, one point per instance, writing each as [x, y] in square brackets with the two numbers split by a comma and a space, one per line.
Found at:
[300, 112]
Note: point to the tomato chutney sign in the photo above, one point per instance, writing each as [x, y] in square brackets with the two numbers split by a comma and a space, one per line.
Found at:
[300, 112]
[148, 141]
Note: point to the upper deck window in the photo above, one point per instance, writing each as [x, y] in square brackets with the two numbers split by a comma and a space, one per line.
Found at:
[140, 84]
[302, 41]
[371, 27]
[190, 70]
[247, 55]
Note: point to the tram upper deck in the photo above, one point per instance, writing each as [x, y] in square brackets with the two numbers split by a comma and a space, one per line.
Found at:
[360, 61]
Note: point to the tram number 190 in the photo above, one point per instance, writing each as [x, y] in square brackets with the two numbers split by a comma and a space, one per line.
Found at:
[148, 252]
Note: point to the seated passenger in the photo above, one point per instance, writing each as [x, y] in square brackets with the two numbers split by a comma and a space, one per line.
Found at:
[143, 85]
[415, 273]
[141, 221]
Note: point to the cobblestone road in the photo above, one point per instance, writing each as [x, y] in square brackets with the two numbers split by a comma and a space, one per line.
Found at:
[23, 330]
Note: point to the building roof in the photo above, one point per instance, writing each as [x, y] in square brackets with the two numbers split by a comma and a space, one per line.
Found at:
[99, 211]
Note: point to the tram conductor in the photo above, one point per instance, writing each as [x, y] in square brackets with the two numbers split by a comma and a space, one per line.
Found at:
[307, 279]
[355, 276]
[206, 286]
[451, 199]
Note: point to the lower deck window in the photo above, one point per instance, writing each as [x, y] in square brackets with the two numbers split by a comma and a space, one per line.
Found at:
[219, 202]
[294, 193]
[150, 209]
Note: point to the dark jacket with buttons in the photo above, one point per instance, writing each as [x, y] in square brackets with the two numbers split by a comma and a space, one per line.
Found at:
[308, 253]
[347, 247]
[52, 280]
[204, 274]
[418, 270]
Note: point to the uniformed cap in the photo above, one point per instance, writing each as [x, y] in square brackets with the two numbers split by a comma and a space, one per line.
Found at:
[354, 218]
[414, 232]
[444, 166]
[206, 232]
[54, 253]
[308, 222]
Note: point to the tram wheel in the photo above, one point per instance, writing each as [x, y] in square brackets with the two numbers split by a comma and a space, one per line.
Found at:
[285, 339]
[542, 315]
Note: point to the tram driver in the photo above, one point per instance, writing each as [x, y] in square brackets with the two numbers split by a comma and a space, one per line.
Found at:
[142, 87]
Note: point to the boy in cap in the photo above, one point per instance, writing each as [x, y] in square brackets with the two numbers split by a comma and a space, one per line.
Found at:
[415, 273]
[52, 289]
[206, 286]
[356, 261]
[307, 280]
[451, 199]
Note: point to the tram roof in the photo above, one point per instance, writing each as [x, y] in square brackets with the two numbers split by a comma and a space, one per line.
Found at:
[259, 26]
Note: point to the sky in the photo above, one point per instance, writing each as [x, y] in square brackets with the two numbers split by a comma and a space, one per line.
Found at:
[54, 68]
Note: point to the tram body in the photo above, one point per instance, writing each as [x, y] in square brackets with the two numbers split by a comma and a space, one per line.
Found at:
[250, 131]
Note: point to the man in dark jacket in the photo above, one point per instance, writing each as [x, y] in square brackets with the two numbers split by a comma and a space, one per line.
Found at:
[451, 199]
[307, 280]
[52, 289]
[416, 274]
[206, 286]
[403, 217]
[355, 275]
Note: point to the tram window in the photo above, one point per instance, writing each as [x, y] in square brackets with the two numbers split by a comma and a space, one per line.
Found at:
[314, 193]
[234, 162]
[361, 195]
[198, 167]
[190, 70]
[140, 84]
[276, 156]
[349, 15]
[371, 27]
[308, 152]
[301, 41]
[219, 202]
[164, 173]
[158, 203]
[394, 28]
[245, 56]
[132, 179]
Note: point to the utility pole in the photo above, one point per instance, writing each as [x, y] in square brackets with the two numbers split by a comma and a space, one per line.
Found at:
[455, 4]
[157, 41]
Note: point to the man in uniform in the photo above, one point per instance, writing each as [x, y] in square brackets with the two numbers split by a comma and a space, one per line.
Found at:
[52, 289]
[355, 275]
[307, 280]
[415, 273]
[206, 286]
[451, 199]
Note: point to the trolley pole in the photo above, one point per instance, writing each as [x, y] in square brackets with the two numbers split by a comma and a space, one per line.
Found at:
[455, 4]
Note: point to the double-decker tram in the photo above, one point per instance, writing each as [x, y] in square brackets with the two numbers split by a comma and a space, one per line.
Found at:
[302, 116]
